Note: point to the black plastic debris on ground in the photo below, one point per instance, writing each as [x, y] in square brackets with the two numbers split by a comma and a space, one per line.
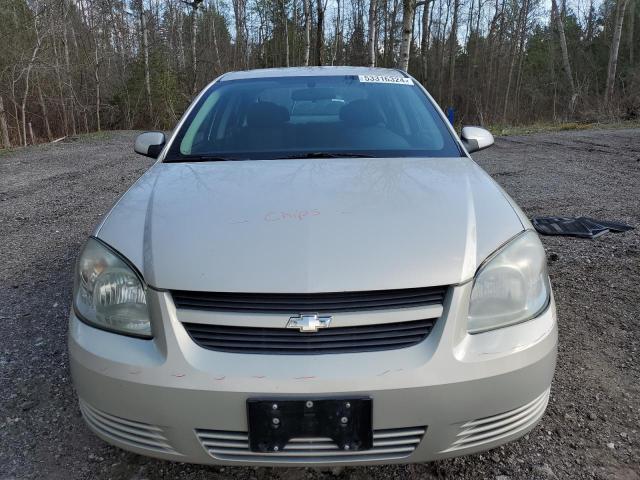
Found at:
[583, 227]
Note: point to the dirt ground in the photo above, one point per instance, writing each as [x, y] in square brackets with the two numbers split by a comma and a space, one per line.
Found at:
[51, 197]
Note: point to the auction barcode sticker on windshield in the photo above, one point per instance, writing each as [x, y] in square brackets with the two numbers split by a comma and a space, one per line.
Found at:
[385, 79]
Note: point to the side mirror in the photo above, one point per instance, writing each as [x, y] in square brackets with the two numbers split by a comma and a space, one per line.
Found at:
[476, 138]
[150, 144]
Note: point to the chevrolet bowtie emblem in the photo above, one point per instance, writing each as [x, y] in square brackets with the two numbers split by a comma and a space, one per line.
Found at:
[309, 323]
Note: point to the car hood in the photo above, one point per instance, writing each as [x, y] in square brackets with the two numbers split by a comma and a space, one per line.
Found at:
[316, 225]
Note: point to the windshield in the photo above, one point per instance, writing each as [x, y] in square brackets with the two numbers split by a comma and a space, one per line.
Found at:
[323, 116]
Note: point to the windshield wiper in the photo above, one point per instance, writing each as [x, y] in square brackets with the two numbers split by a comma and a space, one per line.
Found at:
[201, 158]
[219, 158]
[326, 155]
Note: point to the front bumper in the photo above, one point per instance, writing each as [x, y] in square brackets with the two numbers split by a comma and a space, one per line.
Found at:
[452, 394]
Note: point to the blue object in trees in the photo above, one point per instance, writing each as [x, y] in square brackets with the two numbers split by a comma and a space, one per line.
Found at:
[450, 112]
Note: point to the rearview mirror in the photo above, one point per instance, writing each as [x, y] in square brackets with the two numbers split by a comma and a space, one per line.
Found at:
[150, 144]
[476, 138]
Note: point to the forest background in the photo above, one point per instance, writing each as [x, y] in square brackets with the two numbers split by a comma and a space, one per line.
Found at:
[78, 66]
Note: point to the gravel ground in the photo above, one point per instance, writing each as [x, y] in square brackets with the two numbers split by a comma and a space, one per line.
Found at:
[51, 197]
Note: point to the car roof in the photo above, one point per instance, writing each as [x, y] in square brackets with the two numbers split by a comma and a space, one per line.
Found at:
[310, 71]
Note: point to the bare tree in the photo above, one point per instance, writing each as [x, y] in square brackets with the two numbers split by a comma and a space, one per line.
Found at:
[371, 40]
[214, 35]
[453, 49]
[145, 53]
[194, 4]
[632, 21]
[555, 15]
[285, 29]
[70, 91]
[307, 31]
[522, 55]
[522, 21]
[424, 41]
[4, 130]
[320, 32]
[408, 9]
[621, 5]
[182, 61]
[240, 12]
[338, 37]
[27, 74]
[45, 113]
[95, 35]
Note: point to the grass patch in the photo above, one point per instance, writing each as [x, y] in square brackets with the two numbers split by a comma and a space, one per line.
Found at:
[5, 152]
[502, 130]
[101, 135]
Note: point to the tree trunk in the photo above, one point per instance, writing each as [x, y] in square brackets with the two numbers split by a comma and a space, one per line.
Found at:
[442, 28]
[429, 37]
[453, 49]
[424, 42]
[68, 68]
[307, 32]
[371, 41]
[45, 114]
[25, 94]
[392, 32]
[495, 59]
[470, 63]
[85, 117]
[294, 39]
[613, 53]
[4, 130]
[632, 18]
[63, 103]
[376, 46]
[285, 28]
[590, 28]
[181, 52]
[512, 62]
[14, 101]
[145, 53]
[194, 45]
[522, 50]
[216, 50]
[565, 54]
[385, 31]
[337, 43]
[240, 12]
[320, 33]
[96, 72]
[407, 31]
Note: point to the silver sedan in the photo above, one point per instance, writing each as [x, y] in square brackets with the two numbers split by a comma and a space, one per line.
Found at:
[313, 272]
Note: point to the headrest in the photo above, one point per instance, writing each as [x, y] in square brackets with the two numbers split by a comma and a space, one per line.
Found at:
[360, 113]
[266, 114]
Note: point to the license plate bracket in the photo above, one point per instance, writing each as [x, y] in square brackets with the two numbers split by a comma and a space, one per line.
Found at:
[273, 422]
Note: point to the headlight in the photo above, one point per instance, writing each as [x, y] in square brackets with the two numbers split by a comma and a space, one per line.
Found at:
[511, 287]
[108, 293]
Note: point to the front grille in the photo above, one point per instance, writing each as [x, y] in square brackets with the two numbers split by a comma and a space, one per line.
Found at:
[291, 303]
[365, 338]
[387, 444]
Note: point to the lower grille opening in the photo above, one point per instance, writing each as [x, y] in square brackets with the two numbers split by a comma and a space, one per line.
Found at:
[387, 444]
[129, 432]
[365, 338]
[477, 433]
